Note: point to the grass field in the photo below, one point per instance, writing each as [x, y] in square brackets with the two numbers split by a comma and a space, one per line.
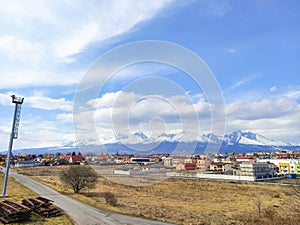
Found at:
[17, 192]
[188, 201]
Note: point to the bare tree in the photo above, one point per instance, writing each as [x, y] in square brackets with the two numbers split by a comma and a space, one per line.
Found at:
[79, 177]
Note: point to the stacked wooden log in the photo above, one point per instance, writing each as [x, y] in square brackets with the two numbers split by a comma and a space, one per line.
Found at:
[11, 212]
[42, 206]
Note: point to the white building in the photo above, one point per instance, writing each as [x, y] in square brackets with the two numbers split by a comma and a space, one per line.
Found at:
[27, 163]
[258, 170]
[168, 162]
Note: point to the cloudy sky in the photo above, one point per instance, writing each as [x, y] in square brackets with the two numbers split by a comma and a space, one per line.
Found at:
[47, 47]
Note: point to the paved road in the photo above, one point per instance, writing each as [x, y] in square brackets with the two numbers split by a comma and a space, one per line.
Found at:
[81, 213]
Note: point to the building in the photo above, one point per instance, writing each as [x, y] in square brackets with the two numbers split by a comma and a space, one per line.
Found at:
[119, 161]
[285, 166]
[185, 166]
[168, 162]
[141, 170]
[188, 160]
[241, 159]
[203, 164]
[76, 159]
[221, 167]
[26, 163]
[258, 170]
[297, 168]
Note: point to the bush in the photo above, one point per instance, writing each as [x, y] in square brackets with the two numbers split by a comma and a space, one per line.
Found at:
[110, 199]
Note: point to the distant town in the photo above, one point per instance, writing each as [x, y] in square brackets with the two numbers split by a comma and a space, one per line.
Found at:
[254, 166]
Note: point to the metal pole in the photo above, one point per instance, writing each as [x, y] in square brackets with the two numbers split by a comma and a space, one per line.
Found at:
[14, 135]
[9, 152]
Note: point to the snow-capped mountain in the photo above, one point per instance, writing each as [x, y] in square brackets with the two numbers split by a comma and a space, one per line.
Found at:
[180, 136]
[141, 136]
[235, 138]
[249, 138]
[178, 141]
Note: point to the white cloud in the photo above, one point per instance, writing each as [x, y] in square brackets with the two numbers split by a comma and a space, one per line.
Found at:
[241, 82]
[126, 113]
[295, 94]
[104, 20]
[49, 103]
[39, 101]
[5, 99]
[21, 51]
[266, 108]
[67, 27]
[136, 113]
[37, 132]
[38, 39]
[291, 91]
[65, 117]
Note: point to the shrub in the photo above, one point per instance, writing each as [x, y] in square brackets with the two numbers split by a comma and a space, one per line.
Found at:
[110, 199]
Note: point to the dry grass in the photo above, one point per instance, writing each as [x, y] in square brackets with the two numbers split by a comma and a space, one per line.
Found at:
[17, 192]
[187, 201]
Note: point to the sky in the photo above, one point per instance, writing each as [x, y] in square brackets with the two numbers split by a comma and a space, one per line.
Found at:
[47, 47]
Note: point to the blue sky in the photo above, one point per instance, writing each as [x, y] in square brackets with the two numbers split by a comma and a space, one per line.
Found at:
[252, 47]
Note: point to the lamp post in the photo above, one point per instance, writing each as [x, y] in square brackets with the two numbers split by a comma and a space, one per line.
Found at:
[14, 135]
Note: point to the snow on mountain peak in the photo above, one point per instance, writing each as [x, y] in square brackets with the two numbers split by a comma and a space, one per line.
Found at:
[234, 138]
[250, 138]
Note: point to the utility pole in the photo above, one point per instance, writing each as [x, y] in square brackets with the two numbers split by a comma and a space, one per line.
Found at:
[14, 135]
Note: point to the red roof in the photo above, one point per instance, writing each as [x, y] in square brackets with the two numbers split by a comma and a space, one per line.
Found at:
[189, 166]
[77, 158]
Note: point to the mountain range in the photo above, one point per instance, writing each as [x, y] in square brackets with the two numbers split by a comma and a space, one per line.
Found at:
[177, 142]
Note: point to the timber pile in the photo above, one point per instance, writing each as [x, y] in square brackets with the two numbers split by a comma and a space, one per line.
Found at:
[11, 212]
[42, 206]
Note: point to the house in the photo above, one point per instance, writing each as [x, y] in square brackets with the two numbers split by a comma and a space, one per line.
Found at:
[168, 162]
[188, 161]
[202, 164]
[178, 159]
[180, 166]
[75, 159]
[185, 166]
[224, 167]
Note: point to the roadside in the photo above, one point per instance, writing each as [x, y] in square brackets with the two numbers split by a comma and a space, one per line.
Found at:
[18, 192]
[81, 213]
